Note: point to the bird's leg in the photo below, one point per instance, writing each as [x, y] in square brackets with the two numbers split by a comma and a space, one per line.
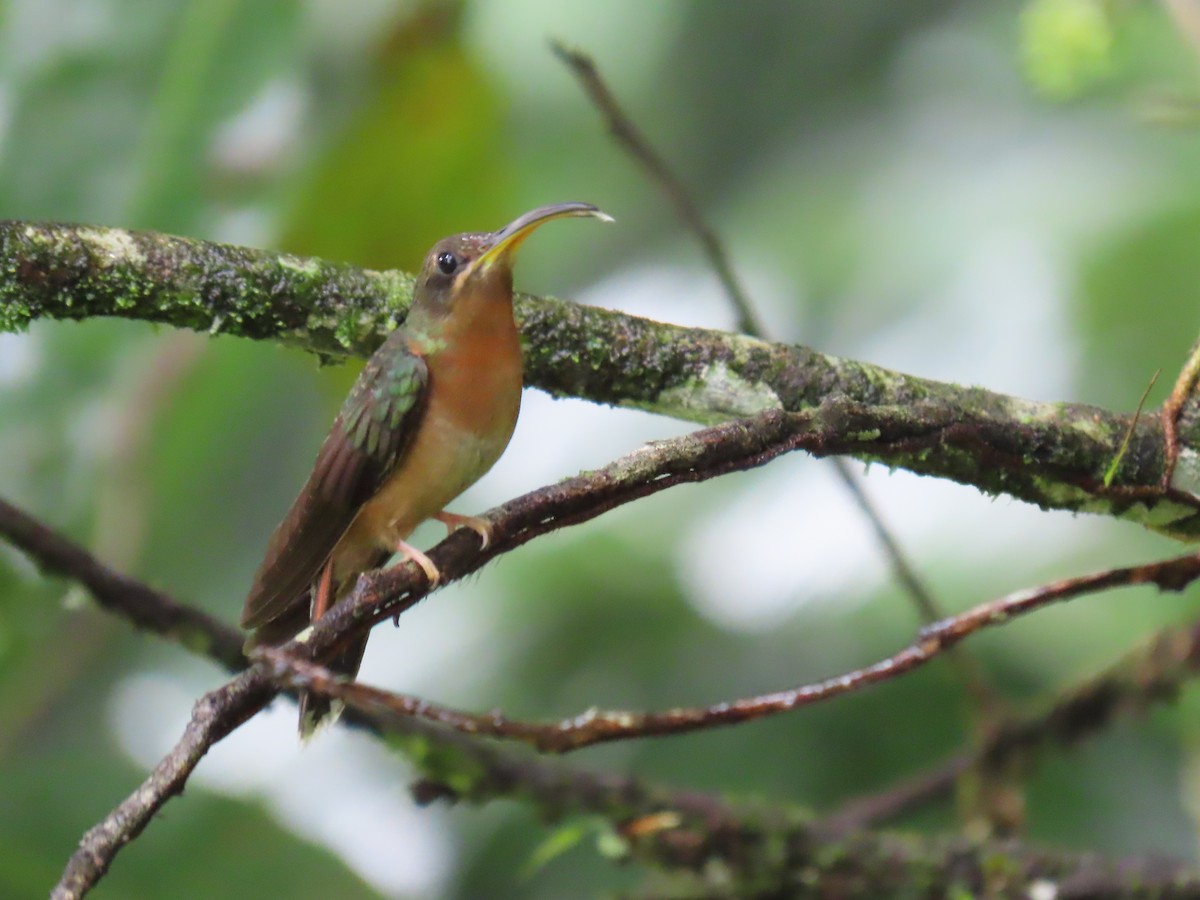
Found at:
[481, 527]
[410, 552]
[322, 595]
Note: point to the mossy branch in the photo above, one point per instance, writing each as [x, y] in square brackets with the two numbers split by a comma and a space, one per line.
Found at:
[1056, 455]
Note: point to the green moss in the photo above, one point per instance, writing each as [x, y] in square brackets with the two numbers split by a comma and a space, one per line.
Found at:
[872, 434]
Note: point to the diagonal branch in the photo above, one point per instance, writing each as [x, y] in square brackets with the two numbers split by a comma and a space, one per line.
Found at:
[1053, 454]
[133, 600]
[757, 848]
[215, 715]
[599, 726]
[385, 593]
[1151, 673]
[630, 137]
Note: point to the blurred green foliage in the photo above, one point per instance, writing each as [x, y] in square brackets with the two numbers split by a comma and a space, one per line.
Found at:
[865, 161]
[1067, 45]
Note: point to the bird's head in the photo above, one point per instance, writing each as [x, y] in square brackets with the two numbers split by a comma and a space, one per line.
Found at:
[464, 264]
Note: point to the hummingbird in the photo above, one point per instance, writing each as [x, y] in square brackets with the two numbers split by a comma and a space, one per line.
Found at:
[430, 413]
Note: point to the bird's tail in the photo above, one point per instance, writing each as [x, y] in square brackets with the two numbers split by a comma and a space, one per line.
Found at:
[317, 710]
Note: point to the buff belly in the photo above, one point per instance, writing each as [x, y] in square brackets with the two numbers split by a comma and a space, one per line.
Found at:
[444, 460]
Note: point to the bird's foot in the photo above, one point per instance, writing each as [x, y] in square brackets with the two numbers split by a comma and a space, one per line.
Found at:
[481, 527]
[410, 552]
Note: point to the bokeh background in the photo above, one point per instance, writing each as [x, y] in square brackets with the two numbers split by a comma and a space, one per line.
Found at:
[991, 193]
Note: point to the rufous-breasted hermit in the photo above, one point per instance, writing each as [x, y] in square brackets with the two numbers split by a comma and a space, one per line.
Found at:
[431, 412]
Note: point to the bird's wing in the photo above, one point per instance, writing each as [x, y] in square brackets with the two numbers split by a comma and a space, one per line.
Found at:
[368, 439]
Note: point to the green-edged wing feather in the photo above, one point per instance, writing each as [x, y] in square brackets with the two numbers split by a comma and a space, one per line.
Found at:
[368, 439]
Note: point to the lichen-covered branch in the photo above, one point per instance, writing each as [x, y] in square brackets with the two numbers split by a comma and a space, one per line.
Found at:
[735, 851]
[722, 849]
[1053, 454]
[77, 272]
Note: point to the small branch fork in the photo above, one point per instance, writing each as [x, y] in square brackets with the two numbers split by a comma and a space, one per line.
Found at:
[215, 715]
[386, 593]
[1150, 673]
[1183, 391]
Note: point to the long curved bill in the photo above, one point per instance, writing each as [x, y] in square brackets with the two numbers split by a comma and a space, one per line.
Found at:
[511, 236]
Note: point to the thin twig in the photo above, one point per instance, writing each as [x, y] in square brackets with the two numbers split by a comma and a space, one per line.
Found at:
[872, 809]
[922, 598]
[600, 726]
[1115, 466]
[1150, 673]
[1181, 393]
[628, 135]
[677, 830]
[986, 698]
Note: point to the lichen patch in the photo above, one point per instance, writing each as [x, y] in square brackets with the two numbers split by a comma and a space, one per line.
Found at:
[718, 394]
[118, 245]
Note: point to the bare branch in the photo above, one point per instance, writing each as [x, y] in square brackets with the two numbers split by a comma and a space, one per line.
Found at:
[386, 593]
[981, 691]
[600, 726]
[672, 830]
[1149, 674]
[630, 137]
[215, 715]
[134, 601]
[873, 809]
[1182, 397]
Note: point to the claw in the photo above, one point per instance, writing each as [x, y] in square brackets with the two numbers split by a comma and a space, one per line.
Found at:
[410, 552]
[481, 527]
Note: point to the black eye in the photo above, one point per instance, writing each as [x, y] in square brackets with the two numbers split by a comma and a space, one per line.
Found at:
[447, 262]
